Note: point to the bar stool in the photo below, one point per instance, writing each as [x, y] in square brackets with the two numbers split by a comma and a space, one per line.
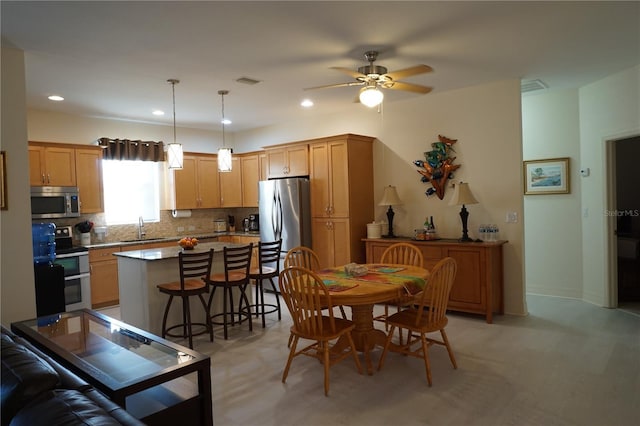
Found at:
[237, 262]
[195, 268]
[268, 254]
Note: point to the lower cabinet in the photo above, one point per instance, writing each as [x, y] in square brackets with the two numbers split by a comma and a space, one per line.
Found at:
[104, 277]
[332, 241]
[478, 287]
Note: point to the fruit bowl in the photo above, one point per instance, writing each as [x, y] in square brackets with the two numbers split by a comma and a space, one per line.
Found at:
[188, 243]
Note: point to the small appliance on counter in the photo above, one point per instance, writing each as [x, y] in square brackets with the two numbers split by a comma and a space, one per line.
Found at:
[254, 222]
[245, 224]
[219, 225]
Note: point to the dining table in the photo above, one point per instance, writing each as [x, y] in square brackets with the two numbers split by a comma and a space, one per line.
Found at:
[380, 283]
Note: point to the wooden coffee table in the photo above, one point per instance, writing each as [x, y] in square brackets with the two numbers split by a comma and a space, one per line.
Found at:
[141, 372]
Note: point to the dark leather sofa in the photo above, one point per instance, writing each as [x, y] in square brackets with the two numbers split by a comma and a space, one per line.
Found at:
[37, 390]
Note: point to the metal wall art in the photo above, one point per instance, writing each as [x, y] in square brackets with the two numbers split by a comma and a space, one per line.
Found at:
[438, 166]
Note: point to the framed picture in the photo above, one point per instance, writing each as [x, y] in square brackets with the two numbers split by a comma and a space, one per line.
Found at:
[3, 180]
[550, 176]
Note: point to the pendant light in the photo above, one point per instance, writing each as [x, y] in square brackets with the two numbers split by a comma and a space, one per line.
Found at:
[174, 150]
[224, 154]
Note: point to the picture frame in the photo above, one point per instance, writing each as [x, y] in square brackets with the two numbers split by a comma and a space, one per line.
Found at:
[547, 176]
[3, 180]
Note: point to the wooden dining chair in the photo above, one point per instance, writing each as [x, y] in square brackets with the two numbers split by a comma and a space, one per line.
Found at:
[305, 257]
[428, 316]
[303, 291]
[400, 254]
[195, 268]
[237, 263]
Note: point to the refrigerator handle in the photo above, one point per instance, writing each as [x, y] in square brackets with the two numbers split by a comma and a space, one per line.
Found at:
[279, 219]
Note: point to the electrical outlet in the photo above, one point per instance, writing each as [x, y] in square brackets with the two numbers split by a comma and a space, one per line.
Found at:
[192, 228]
[180, 228]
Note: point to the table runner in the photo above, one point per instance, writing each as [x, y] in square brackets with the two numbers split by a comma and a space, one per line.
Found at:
[336, 279]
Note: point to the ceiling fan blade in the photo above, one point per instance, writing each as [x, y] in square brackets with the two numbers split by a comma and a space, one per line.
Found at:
[328, 86]
[407, 72]
[352, 73]
[416, 88]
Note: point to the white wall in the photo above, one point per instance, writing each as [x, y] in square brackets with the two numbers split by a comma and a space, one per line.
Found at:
[609, 109]
[486, 121]
[47, 126]
[16, 253]
[553, 232]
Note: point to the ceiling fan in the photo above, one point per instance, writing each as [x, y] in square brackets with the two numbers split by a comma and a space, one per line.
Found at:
[373, 77]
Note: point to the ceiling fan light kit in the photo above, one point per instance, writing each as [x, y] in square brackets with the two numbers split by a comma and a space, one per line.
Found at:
[376, 77]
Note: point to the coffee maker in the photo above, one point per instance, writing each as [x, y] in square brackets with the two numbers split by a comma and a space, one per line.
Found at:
[254, 222]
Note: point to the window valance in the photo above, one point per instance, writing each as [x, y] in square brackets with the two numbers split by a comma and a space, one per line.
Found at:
[125, 149]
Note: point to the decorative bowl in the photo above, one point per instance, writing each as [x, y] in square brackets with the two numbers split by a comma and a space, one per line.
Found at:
[188, 243]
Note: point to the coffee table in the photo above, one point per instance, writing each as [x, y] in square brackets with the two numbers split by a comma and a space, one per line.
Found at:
[154, 379]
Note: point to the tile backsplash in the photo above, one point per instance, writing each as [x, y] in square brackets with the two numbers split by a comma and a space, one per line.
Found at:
[200, 223]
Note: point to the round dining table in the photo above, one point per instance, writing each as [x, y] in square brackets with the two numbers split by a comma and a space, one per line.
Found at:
[382, 283]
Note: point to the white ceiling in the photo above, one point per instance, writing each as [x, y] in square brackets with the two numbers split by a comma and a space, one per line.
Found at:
[112, 59]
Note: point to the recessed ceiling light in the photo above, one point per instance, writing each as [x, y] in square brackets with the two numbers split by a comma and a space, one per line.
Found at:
[56, 98]
[307, 103]
[157, 112]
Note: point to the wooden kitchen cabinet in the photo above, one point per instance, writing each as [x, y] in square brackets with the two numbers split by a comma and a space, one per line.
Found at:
[478, 287]
[51, 165]
[104, 277]
[197, 184]
[332, 241]
[341, 185]
[250, 166]
[88, 163]
[231, 185]
[287, 161]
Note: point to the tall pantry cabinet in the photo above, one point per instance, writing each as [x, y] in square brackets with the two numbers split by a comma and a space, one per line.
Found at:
[341, 179]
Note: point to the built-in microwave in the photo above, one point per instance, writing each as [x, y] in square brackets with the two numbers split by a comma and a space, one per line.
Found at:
[48, 202]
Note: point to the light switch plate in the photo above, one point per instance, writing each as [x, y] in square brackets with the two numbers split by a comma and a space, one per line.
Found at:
[512, 217]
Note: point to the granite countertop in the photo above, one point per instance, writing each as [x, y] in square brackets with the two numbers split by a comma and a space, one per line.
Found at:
[172, 252]
[165, 239]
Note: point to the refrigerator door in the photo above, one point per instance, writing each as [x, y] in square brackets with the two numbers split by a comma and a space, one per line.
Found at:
[284, 207]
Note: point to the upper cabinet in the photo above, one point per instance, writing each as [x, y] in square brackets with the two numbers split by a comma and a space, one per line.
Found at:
[89, 177]
[250, 166]
[54, 164]
[197, 184]
[231, 185]
[51, 165]
[287, 160]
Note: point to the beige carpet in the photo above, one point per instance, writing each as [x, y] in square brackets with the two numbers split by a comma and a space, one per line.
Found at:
[567, 363]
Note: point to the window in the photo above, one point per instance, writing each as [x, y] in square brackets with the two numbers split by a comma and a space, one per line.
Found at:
[131, 190]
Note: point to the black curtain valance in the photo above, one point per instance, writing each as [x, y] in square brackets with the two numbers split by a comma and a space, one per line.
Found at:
[125, 149]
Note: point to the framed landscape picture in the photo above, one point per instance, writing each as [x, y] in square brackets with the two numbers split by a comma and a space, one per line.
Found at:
[550, 176]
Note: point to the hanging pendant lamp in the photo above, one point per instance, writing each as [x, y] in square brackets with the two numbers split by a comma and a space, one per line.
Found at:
[174, 150]
[225, 163]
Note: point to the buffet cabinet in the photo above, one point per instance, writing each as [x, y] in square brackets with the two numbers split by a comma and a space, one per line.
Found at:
[478, 287]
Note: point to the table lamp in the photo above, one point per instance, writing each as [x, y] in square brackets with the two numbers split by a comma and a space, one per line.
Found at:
[390, 198]
[462, 195]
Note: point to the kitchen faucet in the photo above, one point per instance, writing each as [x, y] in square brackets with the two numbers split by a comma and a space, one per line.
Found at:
[141, 232]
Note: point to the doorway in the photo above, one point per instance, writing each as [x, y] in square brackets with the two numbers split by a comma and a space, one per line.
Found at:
[626, 222]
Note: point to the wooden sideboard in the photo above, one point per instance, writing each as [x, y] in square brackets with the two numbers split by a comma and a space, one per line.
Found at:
[478, 287]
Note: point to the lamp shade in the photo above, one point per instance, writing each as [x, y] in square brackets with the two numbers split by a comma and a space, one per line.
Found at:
[371, 96]
[390, 197]
[174, 156]
[224, 160]
[462, 195]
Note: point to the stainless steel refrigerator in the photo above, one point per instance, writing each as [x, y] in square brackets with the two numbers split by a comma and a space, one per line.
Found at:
[285, 212]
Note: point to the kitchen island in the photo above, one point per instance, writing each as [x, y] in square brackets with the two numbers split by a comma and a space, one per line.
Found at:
[140, 271]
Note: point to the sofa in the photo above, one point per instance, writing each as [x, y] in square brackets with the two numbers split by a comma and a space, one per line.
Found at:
[37, 390]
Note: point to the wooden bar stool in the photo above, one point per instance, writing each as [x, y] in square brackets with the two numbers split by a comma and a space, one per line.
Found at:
[268, 254]
[195, 268]
[237, 262]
